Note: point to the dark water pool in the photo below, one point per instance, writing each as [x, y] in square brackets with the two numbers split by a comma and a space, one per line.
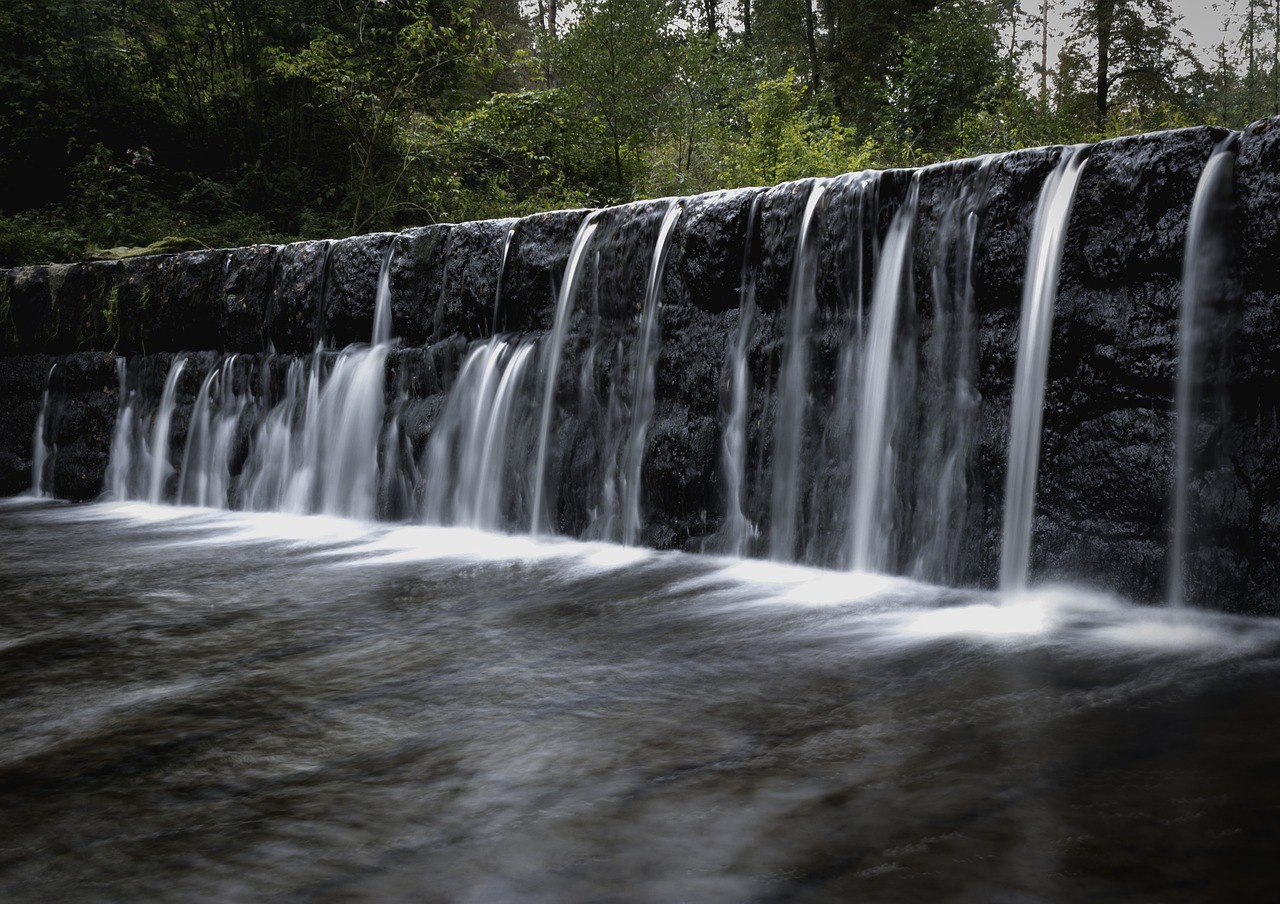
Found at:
[215, 707]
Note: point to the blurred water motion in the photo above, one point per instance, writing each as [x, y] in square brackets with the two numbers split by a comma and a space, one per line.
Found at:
[215, 706]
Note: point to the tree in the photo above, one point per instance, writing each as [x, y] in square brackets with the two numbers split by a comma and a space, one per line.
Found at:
[951, 66]
[380, 79]
[616, 56]
[1136, 52]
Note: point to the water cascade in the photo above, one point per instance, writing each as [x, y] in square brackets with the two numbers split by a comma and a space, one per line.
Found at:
[159, 464]
[818, 372]
[382, 300]
[43, 452]
[793, 386]
[502, 267]
[1040, 288]
[206, 461]
[642, 390]
[1203, 263]
[551, 366]
[737, 529]
[424, 699]
[873, 458]
[951, 401]
[470, 481]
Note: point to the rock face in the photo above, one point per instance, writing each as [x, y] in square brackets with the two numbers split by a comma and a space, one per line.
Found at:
[741, 259]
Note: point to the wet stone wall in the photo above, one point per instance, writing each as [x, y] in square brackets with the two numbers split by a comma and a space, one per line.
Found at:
[1104, 492]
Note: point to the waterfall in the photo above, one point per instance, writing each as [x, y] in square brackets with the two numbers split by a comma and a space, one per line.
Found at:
[793, 388]
[160, 469]
[466, 464]
[559, 329]
[1040, 289]
[277, 476]
[834, 360]
[43, 452]
[642, 390]
[873, 457]
[206, 461]
[382, 300]
[948, 421]
[1203, 260]
[736, 529]
[119, 460]
[502, 268]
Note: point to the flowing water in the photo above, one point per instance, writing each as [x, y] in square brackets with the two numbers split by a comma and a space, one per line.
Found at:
[1040, 289]
[642, 392]
[42, 449]
[551, 367]
[873, 458]
[734, 533]
[793, 386]
[224, 706]
[1208, 232]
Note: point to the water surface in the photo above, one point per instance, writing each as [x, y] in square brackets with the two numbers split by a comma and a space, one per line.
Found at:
[204, 706]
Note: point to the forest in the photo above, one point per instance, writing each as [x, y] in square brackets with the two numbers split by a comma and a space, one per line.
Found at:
[174, 124]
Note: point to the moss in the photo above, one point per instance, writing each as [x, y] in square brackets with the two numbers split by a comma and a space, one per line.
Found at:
[170, 244]
[111, 315]
[8, 329]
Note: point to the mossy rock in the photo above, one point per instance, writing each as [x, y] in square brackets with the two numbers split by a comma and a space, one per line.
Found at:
[170, 244]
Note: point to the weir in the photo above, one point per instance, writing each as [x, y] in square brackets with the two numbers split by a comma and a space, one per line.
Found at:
[822, 372]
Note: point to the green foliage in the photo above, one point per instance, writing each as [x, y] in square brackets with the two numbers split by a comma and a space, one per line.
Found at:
[949, 71]
[236, 121]
[786, 140]
[35, 237]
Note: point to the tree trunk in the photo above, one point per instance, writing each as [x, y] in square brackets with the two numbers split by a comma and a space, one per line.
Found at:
[547, 23]
[1044, 51]
[746, 19]
[1104, 19]
[811, 39]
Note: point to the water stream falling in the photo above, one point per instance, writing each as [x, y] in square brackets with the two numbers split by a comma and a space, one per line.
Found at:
[206, 460]
[1201, 273]
[1040, 289]
[642, 390]
[382, 302]
[873, 458]
[793, 386]
[423, 699]
[502, 269]
[43, 452]
[160, 469]
[868, 455]
[467, 458]
[950, 398]
[540, 519]
[737, 529]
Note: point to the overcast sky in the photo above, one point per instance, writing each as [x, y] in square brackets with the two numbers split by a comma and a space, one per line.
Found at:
[1205, 22]
[1202, 19]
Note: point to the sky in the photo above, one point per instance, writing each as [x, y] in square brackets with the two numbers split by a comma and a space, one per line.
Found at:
[1202, 19]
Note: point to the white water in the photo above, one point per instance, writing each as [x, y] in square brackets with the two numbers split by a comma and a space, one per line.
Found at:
[315, 450]
[792, 402]
[41, 451]
[502, 269]
[160, 469]
[551, 367]
[1201, 262]
[737, 529]
[642, 392]
[382, 301]
[873, 456]
[206, 461]
[467, 468]
[1040, 289]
